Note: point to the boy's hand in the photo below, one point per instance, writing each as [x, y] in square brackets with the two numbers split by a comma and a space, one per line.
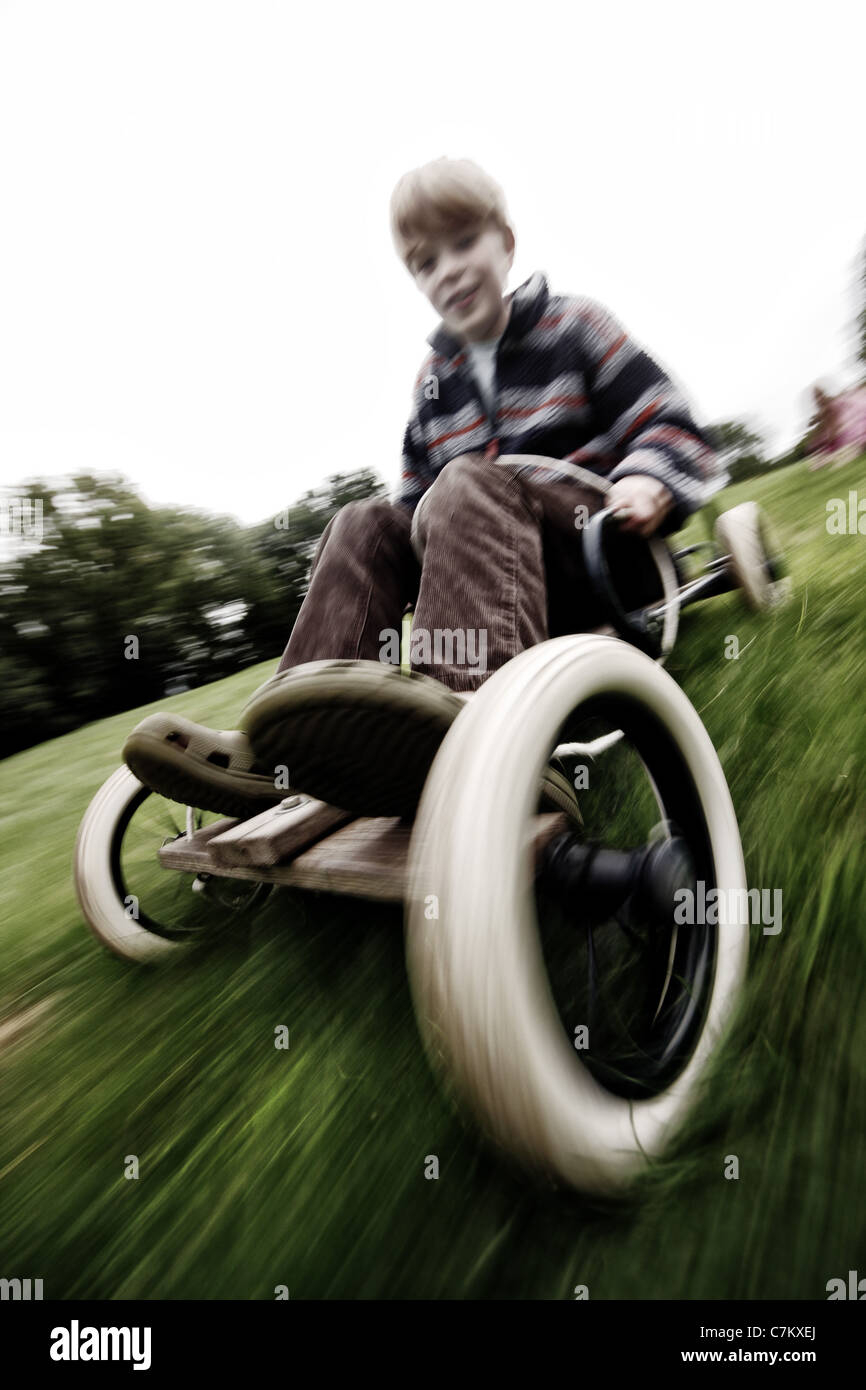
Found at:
[642, 501]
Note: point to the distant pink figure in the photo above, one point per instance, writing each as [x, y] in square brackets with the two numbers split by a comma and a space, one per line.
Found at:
[851, 428]
[840, 427]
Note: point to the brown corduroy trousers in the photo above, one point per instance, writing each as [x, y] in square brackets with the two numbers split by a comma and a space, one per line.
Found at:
[502, 570]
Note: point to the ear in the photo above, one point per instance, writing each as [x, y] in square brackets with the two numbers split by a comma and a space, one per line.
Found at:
[508, 237]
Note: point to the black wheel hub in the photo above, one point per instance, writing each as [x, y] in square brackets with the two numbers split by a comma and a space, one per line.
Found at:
[631, 980]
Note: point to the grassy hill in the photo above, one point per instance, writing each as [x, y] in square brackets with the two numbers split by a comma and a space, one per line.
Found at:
[260, 1167]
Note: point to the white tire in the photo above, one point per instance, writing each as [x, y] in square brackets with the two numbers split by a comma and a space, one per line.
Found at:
[744, 534]
[481, 989]
[137, 909]
[99, 894]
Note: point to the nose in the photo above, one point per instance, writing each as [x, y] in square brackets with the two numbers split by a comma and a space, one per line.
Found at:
[449, 271]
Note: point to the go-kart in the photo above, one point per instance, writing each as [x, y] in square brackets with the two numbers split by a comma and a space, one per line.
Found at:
[556, 991]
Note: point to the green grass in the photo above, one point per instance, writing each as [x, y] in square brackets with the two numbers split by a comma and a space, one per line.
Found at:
[305, 1167]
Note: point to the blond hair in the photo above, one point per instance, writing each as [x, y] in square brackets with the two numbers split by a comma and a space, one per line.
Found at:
[438, 198]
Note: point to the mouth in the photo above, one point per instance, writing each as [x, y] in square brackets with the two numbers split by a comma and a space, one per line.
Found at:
[462, 302]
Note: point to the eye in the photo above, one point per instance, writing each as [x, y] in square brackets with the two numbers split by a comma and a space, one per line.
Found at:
[425, 265]
[468, 239]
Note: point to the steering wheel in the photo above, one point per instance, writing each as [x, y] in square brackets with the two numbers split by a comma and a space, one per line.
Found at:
[653, 627]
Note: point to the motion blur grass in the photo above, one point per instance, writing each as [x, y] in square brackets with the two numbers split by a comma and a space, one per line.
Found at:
[305, 1167]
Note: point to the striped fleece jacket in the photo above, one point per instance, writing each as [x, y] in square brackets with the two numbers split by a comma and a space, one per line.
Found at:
[571, 384]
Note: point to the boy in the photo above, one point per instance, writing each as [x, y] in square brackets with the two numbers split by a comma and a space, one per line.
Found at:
[481, 538]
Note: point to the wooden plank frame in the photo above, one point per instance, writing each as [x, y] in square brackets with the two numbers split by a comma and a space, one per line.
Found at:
[366, 858]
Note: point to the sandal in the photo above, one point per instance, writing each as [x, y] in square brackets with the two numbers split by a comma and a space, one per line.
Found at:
[211, 769]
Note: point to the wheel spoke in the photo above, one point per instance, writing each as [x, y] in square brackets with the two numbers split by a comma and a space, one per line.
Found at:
[167, 902]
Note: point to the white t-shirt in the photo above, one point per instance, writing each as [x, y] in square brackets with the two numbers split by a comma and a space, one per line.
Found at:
[483, 359]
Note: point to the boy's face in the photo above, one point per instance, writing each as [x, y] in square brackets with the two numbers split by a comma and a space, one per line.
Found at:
[463, 273]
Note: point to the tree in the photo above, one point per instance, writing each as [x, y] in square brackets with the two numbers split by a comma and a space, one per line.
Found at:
[741, 449]
[116, 602]
[119, 604]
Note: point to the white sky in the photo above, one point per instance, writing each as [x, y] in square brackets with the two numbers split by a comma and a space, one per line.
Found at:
[197, 283]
